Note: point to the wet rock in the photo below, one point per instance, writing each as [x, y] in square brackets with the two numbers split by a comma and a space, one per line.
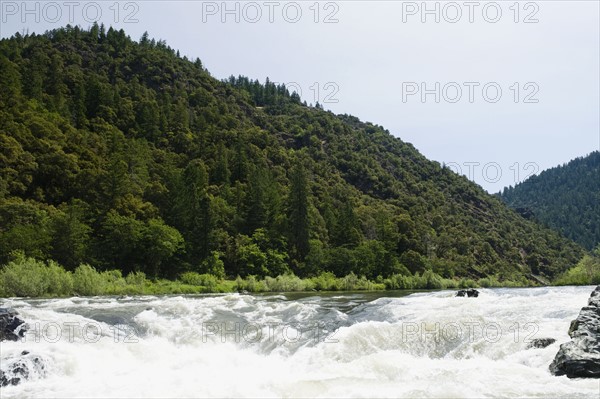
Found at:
[470, 292]
[580, 357]
[540, 343]
[11, 327]
[20, 368]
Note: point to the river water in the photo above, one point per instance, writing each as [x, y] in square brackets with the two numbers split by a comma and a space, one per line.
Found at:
[388, 344]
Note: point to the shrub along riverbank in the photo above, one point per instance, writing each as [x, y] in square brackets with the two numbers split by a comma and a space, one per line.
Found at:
[28, 277]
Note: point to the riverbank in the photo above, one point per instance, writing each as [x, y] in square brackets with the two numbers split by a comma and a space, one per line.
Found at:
[28, 277]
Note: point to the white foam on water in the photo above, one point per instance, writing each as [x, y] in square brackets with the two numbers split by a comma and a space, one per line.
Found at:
[387, 347]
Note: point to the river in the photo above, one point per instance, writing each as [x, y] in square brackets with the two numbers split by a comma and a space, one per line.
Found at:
[384, 344]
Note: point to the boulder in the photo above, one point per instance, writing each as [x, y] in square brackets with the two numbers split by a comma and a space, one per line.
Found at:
[540, 342]
[12, 327]
[23, 367]
[580, 357]
[470, 292]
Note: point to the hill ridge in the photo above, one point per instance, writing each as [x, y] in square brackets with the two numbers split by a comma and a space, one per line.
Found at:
[122, 154]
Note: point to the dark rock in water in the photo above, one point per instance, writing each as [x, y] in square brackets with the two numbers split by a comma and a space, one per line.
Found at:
[11, 327]
[21, 368]
[540, 342]
[470, 292]
[580, 357]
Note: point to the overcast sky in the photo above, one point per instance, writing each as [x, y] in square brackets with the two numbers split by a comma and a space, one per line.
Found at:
[496, 90]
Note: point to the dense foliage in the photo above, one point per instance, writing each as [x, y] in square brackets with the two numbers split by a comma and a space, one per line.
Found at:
[123, 155]
[29, 277]
[565, 198]
[586, 272]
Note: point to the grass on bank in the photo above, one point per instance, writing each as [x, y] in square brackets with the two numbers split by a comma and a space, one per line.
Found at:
[28, 277]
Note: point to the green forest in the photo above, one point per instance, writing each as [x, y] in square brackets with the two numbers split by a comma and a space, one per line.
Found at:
[121, 155]
[565, 198]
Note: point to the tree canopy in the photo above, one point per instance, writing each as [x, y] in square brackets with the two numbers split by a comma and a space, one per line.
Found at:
[121, 154]
[565, 198]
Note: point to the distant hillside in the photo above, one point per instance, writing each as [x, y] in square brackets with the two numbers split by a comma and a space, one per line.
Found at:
[565, 198]
[123, 154]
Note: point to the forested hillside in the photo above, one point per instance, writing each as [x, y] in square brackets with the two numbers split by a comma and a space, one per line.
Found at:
[121, 154]
[565, 198]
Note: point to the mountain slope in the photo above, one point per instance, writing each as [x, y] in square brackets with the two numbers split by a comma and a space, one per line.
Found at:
[565, 198]
[122, 154]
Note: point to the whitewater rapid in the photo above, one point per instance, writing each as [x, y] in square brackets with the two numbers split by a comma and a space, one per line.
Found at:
[428, 344]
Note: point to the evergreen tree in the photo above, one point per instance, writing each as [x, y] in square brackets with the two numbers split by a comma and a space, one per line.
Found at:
[221, 173]
[193, 206]
[70, 236]
[347, 228]
[255, 204]
[298, 219]
[240, 162]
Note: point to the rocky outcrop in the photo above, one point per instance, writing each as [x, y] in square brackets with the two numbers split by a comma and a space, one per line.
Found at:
[540, 342]
[23, 367]
[12, 327]
[580, 357]
[470, 292]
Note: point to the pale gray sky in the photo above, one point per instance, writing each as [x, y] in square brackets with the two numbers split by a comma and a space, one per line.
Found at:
[376, 59]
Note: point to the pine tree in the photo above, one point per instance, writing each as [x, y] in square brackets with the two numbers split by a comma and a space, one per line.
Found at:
[299, 223]
[193, 210]
[255, 205]
[347, 229]
[240, 162]
[10, 81]
[221, 173]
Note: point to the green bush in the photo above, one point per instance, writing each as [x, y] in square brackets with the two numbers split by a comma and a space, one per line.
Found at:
[207, 281]
[114, 283]
[250, 284]
[586, 272]
[487, 282]
[285, 282]
[214, 265]
[450, 283]
[431, 280]
[136, 278]
[191, 278]
[399, 282]
[467, 283]
[24, 277]
[60, 281]
[326, 281]
[428, 280]
[87, 281]
[351, 282]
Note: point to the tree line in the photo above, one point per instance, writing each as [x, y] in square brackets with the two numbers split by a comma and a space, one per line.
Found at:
[122, 154]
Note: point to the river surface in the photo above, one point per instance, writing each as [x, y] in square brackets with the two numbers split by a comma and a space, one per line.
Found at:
[387, 344]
